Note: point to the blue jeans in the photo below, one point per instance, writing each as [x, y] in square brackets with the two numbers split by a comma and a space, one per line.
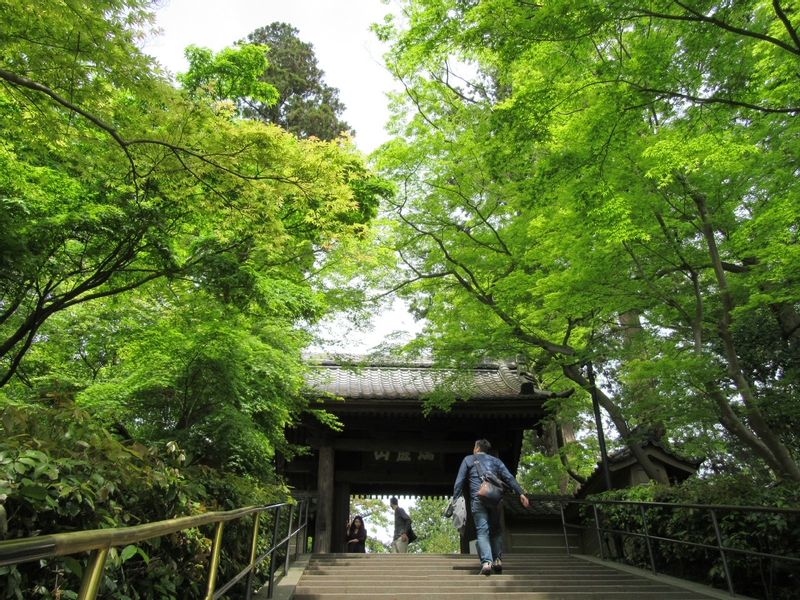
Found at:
[490, 536]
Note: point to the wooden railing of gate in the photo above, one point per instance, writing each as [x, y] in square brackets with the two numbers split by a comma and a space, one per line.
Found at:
[100, 541]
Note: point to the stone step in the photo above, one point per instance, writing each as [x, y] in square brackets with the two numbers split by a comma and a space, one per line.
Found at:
[644, 589]
[522, 560]
[553, 545]
[445, 576]
[537, 550]
[415, 559]
[532, 562]
[522, 577]
[551, 537]
[391, 556]
[460, 595]
[455, 573]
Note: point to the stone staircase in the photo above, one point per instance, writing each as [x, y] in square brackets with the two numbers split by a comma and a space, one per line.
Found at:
[433, 576]
[543, 539]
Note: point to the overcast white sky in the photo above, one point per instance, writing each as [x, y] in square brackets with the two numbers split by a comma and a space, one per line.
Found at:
[347, 51]
[351, 57]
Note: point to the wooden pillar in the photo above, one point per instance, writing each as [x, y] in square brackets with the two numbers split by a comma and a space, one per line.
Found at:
[469, 529]
[324, 525]
[341, 512]
[507, 547]
[463, 543]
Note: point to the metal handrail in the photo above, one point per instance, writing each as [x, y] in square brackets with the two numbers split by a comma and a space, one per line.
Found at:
[648, 537]
[100, 541]
[770, 509]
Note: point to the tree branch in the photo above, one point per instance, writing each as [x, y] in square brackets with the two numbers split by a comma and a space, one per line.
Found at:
[21, 81]
[503, 247]
[711, 100]
[698, 17]
[786, 22]
[126, 144]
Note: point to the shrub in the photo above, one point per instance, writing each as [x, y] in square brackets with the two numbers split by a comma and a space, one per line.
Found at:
[775, 533]
[60, 471]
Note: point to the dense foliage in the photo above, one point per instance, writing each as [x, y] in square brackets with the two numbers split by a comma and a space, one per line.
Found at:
[61, 471]
[435, 533]
[610, 184]
[162, 256]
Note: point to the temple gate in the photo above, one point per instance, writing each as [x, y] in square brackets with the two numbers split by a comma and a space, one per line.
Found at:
[390, 445]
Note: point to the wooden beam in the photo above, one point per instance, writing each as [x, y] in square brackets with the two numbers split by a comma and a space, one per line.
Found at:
[421, 478]
[437, 447]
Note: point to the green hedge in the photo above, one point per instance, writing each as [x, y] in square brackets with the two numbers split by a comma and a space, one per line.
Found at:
[774, 533]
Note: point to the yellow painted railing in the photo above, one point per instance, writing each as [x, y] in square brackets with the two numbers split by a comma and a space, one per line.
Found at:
[100, 541]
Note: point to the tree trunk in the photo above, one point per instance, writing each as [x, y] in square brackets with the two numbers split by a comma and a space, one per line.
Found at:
[615, 413]
[733, 424]
[565, 434]
[789, 321]
[787, 466]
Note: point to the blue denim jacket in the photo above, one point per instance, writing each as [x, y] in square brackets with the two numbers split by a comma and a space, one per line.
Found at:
[488, 463]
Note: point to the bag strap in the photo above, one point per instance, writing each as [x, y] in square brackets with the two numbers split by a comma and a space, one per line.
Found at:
[482, 474]
[481, 470]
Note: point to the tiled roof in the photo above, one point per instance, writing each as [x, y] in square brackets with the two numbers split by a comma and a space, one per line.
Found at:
[624, 457]
[419, 381]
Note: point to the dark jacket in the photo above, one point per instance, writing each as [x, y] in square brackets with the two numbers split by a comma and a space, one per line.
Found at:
[360, 535]
[468, 470]
[401, 522]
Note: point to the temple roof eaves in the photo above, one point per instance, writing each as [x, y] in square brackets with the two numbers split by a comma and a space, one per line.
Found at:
[417, 380]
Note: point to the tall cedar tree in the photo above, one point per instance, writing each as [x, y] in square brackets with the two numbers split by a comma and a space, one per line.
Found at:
[306, 105]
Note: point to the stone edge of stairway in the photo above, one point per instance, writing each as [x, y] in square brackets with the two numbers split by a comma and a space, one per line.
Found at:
[697, 588]
[286, 584]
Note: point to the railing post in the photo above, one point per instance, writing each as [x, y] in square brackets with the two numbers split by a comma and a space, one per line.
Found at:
[300, 522]
[597, 527]
[305, 525]
[93, 576]
[288, 540]
[309, 504]
[253, 555]
[564, 526]
[647, 539]
[213, 566]
[722, 552]
[271, 580]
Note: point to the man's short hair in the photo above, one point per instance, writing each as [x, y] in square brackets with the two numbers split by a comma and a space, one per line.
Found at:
[483, 445]
[393, 501]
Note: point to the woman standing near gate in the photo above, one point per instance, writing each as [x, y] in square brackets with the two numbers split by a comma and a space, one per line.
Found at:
[356, 535]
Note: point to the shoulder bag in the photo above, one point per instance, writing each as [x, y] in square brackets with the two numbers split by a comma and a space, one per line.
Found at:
[491, 490]
[412, 537]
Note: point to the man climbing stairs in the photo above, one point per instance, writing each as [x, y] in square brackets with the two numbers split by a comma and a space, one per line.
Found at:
[432, 576]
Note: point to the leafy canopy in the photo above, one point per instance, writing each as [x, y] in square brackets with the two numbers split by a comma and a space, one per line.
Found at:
[584, 182]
